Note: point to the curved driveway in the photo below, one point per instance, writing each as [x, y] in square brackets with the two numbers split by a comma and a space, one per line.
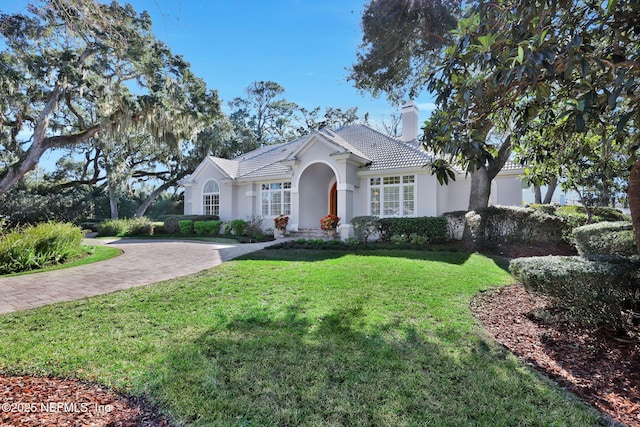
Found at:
[143, 262]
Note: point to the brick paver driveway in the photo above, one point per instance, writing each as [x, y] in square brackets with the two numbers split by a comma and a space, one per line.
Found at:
[143, 262]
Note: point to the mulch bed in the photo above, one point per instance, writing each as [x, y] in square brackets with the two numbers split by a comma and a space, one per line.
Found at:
[41, 401]
[599, 368]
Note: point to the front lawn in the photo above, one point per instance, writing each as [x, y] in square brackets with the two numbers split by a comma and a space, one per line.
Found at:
[299, 338]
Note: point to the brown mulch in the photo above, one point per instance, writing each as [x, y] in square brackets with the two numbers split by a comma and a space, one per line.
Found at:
[41, 401]
[599, 368]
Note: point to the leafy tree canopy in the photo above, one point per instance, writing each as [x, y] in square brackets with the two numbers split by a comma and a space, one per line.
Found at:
[73, 69]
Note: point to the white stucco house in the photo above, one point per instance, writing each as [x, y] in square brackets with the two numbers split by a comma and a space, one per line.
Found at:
[351, 171]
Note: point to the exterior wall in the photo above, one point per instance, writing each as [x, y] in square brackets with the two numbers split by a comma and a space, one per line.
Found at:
[188, 201]
[317, 168]
[426, 194]
[454, 196]
[507, 190]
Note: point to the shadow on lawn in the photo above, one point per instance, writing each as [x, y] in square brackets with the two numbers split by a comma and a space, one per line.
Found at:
[289, 368]
[314, 255]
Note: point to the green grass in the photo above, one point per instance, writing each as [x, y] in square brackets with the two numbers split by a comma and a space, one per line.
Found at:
[94, 254]
[299, 338]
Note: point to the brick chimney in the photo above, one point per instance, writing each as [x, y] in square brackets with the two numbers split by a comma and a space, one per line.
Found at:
[409, 122]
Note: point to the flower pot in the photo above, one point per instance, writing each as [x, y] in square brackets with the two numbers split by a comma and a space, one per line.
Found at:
[331, 232]
[278, 234]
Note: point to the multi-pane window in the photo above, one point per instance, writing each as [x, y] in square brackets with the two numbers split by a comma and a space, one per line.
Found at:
[392, 196]
[276, 198]
[211, 198]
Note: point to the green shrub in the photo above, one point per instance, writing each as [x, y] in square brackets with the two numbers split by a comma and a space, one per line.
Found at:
[238, 226]
[513, 224]
[576, 216]
[206, 227]
[364, 227]
[606, 238]
[140, 227]
[601, 290]
[171, 221]
[186, 226]
[38, 246]
[113, 227]
[434, 229]
[126, 227]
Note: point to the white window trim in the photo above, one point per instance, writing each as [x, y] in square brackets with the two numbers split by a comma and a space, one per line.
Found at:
[286, 187]
[401, 195]
[216, 207]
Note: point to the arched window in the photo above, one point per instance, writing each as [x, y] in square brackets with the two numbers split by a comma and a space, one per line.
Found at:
[211, 198]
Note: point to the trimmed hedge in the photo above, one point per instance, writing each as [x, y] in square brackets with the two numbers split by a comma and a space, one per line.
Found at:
[171, 221]
[599, 290]
[576, 216]
[513, 224]
[39, 246]
[605, 238]
[433, 229]
[207, 227]
[365, 227]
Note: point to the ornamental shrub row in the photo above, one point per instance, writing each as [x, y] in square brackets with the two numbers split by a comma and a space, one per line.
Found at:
[429, 229]
[171, 221]
[126, 227]
[507, 224]
[189, 226]
[433, 229]
[597, 290]
[605, 238]
[39, 246]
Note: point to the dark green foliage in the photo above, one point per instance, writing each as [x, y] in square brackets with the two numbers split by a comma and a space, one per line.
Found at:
[126, 227]
[112, 227]
[511, 224]
[206, 227]
[38, 246]
[576, 216]
[434, 229]
[171, 221]
[605, 238]
[23, 206]
[365, 226]
[599, 290]
[238, 226]
[186, 226]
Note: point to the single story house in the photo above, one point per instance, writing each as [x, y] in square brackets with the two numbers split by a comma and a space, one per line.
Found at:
[351, 171]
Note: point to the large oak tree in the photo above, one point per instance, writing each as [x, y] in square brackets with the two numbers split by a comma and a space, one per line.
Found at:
[74, 70]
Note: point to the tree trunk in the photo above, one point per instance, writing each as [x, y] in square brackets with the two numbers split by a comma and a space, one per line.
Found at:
[551, 188]
[142, 209]
[633, 196]
[480, 189]
[113, 200]
[537, 194]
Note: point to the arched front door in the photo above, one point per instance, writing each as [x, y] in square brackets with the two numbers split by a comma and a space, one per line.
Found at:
[333, 199]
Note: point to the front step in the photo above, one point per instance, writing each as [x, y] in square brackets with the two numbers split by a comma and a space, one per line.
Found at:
[310, 233]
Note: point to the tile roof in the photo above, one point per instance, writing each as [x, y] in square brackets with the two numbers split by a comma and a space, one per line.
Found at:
[378, 151]
[385, 152]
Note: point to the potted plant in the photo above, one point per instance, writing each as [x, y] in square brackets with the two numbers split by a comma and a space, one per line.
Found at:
[280, 224]
[330, 223]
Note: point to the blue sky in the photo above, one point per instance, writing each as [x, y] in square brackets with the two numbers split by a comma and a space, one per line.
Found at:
[304, 45]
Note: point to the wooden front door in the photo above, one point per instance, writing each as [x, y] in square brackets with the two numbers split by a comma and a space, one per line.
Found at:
[333, 199]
